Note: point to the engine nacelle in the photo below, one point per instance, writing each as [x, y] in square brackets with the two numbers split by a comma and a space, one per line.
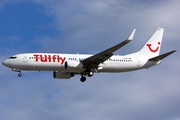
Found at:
[62, 75]
[72, 65]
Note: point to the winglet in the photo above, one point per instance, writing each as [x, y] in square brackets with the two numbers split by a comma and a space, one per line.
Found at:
[132, 35]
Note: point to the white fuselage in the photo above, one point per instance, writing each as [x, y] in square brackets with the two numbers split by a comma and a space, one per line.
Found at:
[56, 62]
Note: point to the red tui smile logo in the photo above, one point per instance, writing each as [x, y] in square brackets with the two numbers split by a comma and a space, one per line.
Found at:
[153, 50]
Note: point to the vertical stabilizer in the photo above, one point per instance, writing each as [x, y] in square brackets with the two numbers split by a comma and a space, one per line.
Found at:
[153, 45]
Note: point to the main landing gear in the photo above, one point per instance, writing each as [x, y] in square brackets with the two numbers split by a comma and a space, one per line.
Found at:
[83, 78]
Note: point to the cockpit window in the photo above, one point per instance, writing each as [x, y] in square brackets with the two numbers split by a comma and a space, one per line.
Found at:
[12, 57]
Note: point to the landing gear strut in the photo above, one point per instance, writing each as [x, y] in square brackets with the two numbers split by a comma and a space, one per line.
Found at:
[83, 79]
[20, 74]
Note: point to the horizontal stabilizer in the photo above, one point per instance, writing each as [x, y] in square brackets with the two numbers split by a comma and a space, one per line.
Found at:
[160, 57]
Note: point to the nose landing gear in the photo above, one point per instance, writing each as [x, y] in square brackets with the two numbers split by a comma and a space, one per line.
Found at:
[17, 70]
[20, 74]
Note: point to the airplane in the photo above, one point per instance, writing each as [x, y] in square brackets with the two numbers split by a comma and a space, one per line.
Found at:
[65, 66]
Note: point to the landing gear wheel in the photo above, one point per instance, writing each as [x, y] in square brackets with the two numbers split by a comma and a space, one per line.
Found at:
[20, 74]
[90, 74]
[83, 79]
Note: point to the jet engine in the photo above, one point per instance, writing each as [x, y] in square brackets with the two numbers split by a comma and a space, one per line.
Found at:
[72, 65]
[62, 75]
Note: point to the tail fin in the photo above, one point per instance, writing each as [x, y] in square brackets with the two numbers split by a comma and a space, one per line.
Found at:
[152, 47]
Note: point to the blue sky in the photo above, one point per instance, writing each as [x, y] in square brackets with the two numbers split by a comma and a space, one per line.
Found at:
[23, 22]
[68, 26]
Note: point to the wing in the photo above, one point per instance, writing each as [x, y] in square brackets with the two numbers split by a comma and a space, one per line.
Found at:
[93, 61]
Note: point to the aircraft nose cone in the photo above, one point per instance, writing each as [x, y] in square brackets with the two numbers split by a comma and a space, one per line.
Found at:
[5, 63]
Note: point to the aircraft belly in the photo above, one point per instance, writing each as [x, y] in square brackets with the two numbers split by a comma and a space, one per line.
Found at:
[119, 67]
[46, 66]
